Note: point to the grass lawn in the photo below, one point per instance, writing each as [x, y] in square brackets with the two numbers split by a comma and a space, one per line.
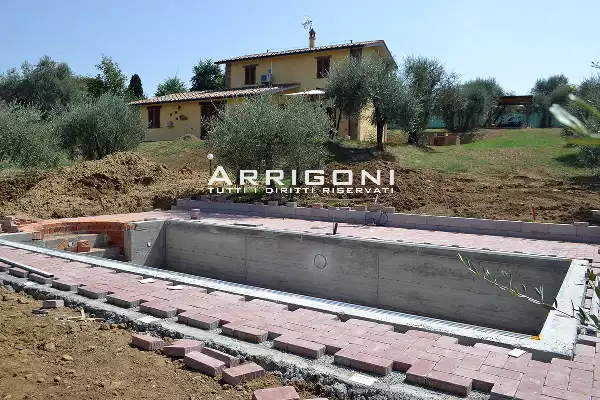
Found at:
[540, 152]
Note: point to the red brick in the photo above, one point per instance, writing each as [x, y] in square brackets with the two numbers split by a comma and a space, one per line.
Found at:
[472, 362]
[423, 334]
[39, 279]
[531, 386]
[577, 358]
[492, 348]
[563, 394]
[446, 352]
[447, 365]
[557, 380]
[202, 321]
[418, 372]
[360, 322]
[158, 309]
[4, 267]
[589, 340]
[147, 342]
[181, 347]
[371, 363]
[124, 299]
[518, 363]
[401, 361]
[446, 342]
[203, 363]
[585, 350]
[446, 382]
[299, 346]
[18, 272]
[276, 331]
[250, 334]
[481, 381]
[572, 364]
[93, 292]
[504, 388]
[243, 373]
[501, 372]
[278, 393]
[229, 360]
[423, 343]
[380, 329]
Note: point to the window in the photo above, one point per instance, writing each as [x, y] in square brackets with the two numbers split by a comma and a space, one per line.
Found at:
[323, 66]
[209, 110]
[153, 117]
[356, 52]
[250, 77]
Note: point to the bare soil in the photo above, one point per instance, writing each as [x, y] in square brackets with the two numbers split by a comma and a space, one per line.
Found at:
[128, 182]
[50, 356]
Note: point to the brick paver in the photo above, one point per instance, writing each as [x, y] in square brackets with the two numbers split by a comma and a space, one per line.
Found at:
[429, 359]
[279, 393]
[243, 373]
[181, 347]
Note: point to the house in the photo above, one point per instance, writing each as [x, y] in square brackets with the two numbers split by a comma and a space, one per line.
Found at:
[296, 71]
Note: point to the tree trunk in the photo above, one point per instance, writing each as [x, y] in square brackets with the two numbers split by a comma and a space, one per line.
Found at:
[380, 127]
[413, 138]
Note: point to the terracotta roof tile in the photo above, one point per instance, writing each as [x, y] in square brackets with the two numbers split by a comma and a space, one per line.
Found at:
[216, 94]
[304, 50]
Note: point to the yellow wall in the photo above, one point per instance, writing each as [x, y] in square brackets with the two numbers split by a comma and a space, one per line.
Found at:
[294, 68]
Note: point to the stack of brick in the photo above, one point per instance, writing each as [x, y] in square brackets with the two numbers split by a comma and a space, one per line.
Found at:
[10, 224]
[83, 246]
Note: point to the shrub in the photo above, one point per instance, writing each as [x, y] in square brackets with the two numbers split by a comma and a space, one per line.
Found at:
[99, 127]
[466, 107]
[26, 139]
[264, 133]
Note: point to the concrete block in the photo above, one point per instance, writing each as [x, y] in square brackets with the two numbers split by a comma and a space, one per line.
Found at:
[360, 207]
[562, 229]
[273, 203]
[301, 212]
[355, 216]
[437, 220]
[504, 225]
[535, 227]
[416, 219]
[291, 204]
[338, 215]
[286, 211]
[321, 214]
[588, 231]
[258, 209]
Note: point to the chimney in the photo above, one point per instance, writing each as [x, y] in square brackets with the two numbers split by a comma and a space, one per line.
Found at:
[312, 35]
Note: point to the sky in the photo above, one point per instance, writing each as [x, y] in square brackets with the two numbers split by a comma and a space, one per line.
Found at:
[514, 41]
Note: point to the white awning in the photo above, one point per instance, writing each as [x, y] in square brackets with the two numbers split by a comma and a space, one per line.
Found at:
[307, 93]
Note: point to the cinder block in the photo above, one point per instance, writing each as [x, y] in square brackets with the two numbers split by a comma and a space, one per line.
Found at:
[355, 216]
[243, 373]
[338, 215]
[437, 220]
[562, 229]
[483, 224]
[147, 342]
[259, 209]
[321, 214]
[302, 212]
[397, 218]
[504, 225]
[535, 227]
[286, 211]
[588, 231]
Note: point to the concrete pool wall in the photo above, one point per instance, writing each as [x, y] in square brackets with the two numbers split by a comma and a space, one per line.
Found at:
[424, 280]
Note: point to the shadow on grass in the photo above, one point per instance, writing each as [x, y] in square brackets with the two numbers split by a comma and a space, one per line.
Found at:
[570, 160]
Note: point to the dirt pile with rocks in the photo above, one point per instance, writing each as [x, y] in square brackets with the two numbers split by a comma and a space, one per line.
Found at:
[120, 183]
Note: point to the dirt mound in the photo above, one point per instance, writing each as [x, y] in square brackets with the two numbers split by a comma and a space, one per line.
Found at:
[122, 182]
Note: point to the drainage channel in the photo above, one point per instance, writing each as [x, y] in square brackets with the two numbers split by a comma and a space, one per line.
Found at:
[467, 334]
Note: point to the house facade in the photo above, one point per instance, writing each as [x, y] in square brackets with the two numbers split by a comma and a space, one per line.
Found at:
[287, 72]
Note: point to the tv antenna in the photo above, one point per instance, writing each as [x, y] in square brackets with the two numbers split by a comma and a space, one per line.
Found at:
[307, 24]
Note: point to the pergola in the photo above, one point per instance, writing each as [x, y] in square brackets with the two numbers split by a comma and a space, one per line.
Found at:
[505, 101]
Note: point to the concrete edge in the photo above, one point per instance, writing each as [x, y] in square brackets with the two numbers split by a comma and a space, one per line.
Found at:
[576, 232]
[542, 350]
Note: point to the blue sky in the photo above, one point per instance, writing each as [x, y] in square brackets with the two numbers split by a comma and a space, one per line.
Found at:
[515, 41]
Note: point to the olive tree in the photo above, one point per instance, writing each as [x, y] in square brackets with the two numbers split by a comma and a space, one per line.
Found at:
[464, 107]
[100, 126]
[263, 132]
[422, 77]
[26, 138]
[547, 92]
[356, 82]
